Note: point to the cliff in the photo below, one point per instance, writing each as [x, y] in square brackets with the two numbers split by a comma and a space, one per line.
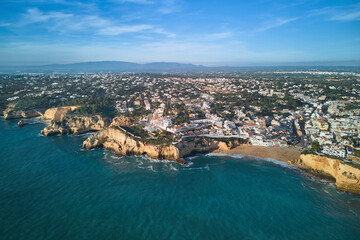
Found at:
[76, 125]
[56, 114]
[10, 113]
[345, 175]
[121, 121]
[124, 144]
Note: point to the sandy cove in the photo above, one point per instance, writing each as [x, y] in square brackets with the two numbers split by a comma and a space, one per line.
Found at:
[284, 154]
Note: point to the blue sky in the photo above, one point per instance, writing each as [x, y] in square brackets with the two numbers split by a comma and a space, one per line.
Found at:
[209, 32]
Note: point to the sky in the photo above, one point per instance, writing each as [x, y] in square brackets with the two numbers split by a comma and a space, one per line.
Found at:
[208, 32]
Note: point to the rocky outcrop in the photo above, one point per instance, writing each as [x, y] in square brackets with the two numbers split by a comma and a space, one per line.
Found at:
[345, 175]
[10, 113]
[122, 143]
[76, 125]
[121, 121]
[56, 114]
[21, 123]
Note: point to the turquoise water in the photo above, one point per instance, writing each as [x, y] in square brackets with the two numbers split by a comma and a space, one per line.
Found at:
[51, 189]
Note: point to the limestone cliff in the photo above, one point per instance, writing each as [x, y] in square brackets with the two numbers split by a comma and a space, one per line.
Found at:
[76, 125]
[10, 113]
[124, 144]
[346, 176]
[121, 121]
[56, 114]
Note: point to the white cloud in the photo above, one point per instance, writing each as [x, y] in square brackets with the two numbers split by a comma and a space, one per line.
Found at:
[277, 23]
[353, 16]
[348, 13]
[136, 1]
[33, 15]
[169, 6]
[4, 24]
[63, 22]
[115, 30]
[218, 36]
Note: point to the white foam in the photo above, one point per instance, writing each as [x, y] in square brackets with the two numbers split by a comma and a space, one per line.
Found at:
[352, 211]
[188, 164]
[173, 168]
[151, 168]
[85, 134]
[116, 157]
[225, 155]
[156, 160]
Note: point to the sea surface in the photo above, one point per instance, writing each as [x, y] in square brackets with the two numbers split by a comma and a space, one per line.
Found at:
[51, 189]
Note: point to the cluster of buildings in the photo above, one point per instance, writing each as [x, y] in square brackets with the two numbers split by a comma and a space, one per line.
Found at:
[267, 108]
[333, 134]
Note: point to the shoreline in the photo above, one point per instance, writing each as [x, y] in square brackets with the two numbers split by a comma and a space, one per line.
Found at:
[345, 177]
[288, 155]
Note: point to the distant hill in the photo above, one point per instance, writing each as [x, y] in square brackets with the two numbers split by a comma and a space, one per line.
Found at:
[157, 67]
[107, 67]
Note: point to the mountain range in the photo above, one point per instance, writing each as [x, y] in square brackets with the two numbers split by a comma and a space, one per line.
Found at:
[171, 67]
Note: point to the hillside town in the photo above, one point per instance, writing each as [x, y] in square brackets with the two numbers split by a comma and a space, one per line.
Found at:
[317, 111]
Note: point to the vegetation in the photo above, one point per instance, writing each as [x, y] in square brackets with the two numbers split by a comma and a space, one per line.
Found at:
[182, 114]
[34, 103]
[357, 153]
[103, 107]
[163, 138]
[137, 130]
[308, 151]
[315, 146]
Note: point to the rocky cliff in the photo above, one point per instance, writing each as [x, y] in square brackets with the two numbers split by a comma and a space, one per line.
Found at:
[56, 114]
[121, 121]
[10, 113]
[345, 175]
[76, 125]
[124, 144]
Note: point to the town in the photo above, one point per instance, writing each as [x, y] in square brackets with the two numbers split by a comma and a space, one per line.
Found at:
[317, 111]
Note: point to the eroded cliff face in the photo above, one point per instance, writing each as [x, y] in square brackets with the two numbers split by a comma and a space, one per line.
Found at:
[346, 176]
[121, 121]
[56, 114]
[124, 144]
[10, 113]
[76, 125]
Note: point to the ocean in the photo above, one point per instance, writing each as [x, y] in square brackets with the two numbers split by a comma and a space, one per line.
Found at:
[51, 189]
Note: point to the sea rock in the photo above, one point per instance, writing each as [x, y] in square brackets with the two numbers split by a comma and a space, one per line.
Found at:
[125, 144]
[345, 175]
[76, 125]
[10, 113]
[21, 123]
[56, 114]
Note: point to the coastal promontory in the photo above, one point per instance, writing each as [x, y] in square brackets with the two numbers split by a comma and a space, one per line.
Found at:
[345, 175]
[76, 125]
[125, 144]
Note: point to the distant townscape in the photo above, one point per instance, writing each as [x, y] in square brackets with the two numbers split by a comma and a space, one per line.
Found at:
[314, 110]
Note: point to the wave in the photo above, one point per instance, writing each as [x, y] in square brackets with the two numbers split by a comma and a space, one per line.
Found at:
[85, 134]
[33, 122]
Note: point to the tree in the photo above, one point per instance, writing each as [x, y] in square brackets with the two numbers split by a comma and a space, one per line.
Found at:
[315, 146]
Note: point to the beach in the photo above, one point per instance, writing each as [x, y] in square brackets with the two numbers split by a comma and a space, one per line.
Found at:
[284, 154]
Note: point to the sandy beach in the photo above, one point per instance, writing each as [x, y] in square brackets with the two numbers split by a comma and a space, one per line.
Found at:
[284, 154]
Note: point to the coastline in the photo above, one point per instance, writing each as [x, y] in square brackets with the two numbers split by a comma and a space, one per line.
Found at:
[287, 155]
[346, 177]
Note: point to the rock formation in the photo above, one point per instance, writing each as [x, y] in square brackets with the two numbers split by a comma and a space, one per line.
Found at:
[56, 114]
[122, 143]
[121, 121]
[21, 123]
[345, 175]
[76, 125]
[10, 113]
